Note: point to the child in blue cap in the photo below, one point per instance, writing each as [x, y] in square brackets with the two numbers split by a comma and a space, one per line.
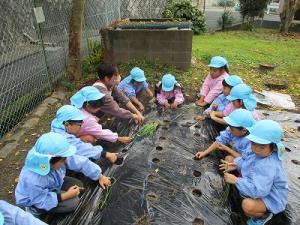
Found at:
[89, 101]
[239, 122]
[220, 103]
[133, 85]
[11, 215]
[263, 182]
[212, 86]
[43, 185]
[168, 92]
[241, 97]
[68, 122]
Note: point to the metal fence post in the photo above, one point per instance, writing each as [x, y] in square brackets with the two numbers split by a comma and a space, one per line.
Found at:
[40, 36]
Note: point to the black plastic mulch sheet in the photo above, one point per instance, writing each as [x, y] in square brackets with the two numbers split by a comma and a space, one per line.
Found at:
[160, 183]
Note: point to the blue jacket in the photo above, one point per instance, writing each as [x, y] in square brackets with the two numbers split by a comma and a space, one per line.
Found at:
[221, 101]
[131, 90]
[263, 178]
[41, 191]
[15, 216]
[84, 149]
[240, 144]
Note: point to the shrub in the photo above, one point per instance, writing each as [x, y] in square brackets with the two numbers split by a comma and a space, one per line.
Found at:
[184, 9]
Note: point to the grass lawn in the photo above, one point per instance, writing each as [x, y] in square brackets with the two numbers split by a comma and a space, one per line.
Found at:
[244, 51]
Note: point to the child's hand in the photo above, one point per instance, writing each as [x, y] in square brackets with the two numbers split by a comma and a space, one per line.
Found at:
[104, 181]
[201, 103]
[200, 155]
[112, 157]
[125, 140]
[214, 106]
[174, 105]
[223, 147]
[199, 118]
[230, 178]
[226, 166]
[73, 191]
[167, 105]
[138, 119]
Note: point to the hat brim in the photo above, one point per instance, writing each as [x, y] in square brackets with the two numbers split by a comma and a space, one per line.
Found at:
[140, 80]
[257, 140]
[230, 98]
[214, 66]
[231, 122]
[167, 88]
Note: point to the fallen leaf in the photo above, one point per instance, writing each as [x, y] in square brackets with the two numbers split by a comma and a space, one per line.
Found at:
[17, 180]
[26, 140]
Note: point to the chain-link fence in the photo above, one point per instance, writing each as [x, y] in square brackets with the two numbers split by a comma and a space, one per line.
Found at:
[34, 55]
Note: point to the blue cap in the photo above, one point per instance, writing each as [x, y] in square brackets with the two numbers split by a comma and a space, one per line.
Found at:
[47, 146]
[240, 118]
[86, 94]
[1, 219]
[168, 82]
[137, 74]
[65, 113]
[218, 62]
[243, 92]
[267, 132]
[233, 80]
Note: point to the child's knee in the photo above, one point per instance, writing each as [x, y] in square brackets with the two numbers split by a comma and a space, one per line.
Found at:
[248, 206]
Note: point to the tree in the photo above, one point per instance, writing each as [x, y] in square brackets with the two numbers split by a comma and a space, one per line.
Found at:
[251, 9]
[74, 67]
[287, 12]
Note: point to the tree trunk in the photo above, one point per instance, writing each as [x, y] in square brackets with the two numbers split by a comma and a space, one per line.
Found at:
[74, 67]
[287, 14]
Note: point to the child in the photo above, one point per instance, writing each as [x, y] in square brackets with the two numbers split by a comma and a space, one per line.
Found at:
[67, 122]
[212, 86]
[107, 84]
[240, 120]
[221, 101]
[43, 186]
[133, 85]
[10, 215]
[89, 100]
[168, 92]
[263, 181]
[241, 97]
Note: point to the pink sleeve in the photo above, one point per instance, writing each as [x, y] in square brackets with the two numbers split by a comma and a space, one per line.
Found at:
[161, 98]
[214, 92]
[178, 96]
[90, 126]
[205, 86]
[228, 109]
